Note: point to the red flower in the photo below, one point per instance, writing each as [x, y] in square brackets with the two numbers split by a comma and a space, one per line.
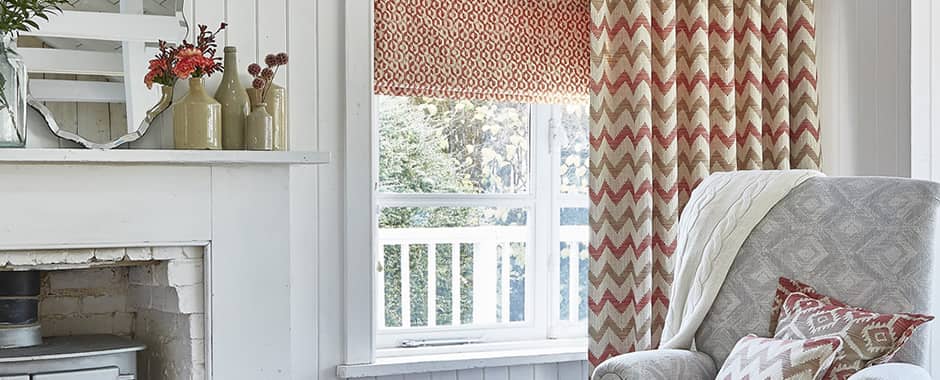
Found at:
[281, 59]
[148, 79]
[258, 83]
[254, 69]
[192, 62]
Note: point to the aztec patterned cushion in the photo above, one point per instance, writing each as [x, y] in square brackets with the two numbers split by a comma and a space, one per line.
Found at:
[754, 357]
[785, 287]
[869, 338]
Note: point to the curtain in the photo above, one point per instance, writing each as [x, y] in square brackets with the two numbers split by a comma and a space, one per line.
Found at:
[527, 51]
[680, 89]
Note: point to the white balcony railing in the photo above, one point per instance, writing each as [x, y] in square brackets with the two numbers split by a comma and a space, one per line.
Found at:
[489, 246]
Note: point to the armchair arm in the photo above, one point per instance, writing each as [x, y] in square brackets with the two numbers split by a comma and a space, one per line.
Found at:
[657, 365]
[892, 371]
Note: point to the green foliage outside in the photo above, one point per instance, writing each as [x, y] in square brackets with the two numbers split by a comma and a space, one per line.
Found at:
[442, 146]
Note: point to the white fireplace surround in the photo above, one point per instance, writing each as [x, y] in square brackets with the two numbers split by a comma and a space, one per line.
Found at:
[66, 209]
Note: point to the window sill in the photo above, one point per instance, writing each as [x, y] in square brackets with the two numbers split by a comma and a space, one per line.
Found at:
[482, 355]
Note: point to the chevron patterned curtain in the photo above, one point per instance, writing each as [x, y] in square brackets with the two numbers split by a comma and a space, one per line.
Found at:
[680, 89]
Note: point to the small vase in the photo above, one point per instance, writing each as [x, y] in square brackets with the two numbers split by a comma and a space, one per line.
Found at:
[234, 102]
[197, 119]
[12, 96]
[276, 100]
[259, 133]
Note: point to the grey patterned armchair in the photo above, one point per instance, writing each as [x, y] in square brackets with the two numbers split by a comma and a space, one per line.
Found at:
[868, 241]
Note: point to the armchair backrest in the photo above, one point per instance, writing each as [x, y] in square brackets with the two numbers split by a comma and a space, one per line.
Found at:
[868, 241]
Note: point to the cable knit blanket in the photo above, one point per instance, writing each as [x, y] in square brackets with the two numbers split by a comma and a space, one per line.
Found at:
[720, 215]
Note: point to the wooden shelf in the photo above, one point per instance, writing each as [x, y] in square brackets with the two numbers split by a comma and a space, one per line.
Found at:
[160, 157]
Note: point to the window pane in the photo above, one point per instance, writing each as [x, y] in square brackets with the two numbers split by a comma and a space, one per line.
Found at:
[449, 266]
[574, 138]
[573, 264]
[431, 145]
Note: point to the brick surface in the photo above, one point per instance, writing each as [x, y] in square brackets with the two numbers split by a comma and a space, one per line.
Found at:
[160, 304]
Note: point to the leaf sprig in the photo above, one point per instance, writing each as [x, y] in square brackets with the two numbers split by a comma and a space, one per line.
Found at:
[19, 15]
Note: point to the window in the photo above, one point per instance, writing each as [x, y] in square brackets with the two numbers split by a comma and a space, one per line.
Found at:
[482, 220]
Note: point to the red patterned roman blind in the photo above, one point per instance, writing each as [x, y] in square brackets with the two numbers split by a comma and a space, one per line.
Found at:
[532, 51]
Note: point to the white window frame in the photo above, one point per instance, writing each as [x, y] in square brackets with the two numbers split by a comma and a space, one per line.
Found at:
[543, 202]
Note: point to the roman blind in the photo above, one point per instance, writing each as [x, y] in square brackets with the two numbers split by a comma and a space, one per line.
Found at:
[531, 51]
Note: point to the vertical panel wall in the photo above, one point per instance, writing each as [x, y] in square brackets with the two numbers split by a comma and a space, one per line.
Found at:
[864, 57]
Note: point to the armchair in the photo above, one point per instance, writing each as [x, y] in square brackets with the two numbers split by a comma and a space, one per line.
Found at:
[868, 241]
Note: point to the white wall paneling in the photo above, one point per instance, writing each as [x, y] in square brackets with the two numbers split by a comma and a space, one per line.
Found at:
[551, 371]
[925, 126]
[863, 57]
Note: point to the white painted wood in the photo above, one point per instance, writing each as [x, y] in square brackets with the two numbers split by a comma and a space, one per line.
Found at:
[484, 282]
[455, 284]
[505, 253]
[470, 374]
[522, 372]
[570, 370]
[574, 298]
[923, 113]
[496, 373]
[250, 206]
[331, 92]
[418, 376]
[864, 70]
[405, 261]
[547, 371]
[40, 60]
[137, 98]
[165, 157]
[544, 353]
[432, 284]
[300, 21]
[449, 375]
[51, 201]
[53, 90]
[109, 26]
[361, 175]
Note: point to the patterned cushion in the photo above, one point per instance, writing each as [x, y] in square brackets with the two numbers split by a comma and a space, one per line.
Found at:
[785, 287]
[870, 338]
[784, 359]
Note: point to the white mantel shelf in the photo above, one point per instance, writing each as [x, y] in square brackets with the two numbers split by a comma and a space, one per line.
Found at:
[160, 157]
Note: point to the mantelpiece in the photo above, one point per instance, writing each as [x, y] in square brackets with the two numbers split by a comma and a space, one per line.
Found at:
[163, 157]
[237, 205]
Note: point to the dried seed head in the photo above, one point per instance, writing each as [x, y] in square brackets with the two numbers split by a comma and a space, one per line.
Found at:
[254, 69]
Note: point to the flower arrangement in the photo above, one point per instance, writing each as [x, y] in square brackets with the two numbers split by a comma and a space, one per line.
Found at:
[265, 76]
[187, 60]
[161, 67]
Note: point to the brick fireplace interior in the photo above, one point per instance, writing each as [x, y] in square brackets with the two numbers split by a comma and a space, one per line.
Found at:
[154, 296]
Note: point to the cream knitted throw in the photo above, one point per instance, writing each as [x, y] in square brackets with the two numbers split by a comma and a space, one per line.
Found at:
[720, 215]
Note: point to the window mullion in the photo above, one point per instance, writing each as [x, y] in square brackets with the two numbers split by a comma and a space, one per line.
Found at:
[543, 152]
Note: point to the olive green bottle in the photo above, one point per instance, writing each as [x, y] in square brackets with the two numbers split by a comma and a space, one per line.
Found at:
[234, 102]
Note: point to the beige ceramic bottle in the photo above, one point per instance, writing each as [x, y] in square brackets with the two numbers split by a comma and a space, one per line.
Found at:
[197, 119]
[234, 100]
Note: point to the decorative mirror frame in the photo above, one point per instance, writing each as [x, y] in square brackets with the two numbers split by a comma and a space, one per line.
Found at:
[134, 54]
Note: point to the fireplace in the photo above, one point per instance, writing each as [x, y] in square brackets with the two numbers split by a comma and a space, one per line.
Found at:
[111, 313]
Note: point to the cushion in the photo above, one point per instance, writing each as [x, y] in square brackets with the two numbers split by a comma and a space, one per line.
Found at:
[869, 338]
[785, 287]
[754, 357]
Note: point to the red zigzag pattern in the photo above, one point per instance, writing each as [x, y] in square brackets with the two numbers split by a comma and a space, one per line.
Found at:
[681, 89]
